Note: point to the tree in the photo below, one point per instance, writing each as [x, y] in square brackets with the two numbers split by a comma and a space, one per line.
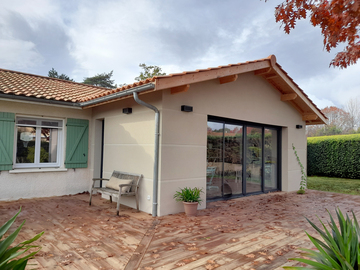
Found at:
[149, 72]
[338, 118]
[339, 122]
[328, 130]
[339, 21]
[54, 74]
[103, 80]
[353, 108]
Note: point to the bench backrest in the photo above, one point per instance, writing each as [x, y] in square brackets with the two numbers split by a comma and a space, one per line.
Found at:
[124, 175]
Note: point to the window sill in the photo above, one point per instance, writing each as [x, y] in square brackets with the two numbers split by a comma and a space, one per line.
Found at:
[37, 170]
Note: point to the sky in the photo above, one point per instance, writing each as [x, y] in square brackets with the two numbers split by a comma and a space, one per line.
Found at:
[82, 38]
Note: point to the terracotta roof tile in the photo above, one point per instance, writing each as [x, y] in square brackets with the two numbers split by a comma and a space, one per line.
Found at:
[18, 83]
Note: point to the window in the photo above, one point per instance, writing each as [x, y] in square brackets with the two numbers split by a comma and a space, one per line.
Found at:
[38, 142]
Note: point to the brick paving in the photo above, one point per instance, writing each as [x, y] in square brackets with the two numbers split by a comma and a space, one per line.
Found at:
[256, 232]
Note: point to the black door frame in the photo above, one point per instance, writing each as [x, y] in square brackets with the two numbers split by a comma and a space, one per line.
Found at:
[246, 124]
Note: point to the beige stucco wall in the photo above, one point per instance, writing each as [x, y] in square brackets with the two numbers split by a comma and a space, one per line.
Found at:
[183, 137]
[129, 143]
[45, 182]
[129, 140]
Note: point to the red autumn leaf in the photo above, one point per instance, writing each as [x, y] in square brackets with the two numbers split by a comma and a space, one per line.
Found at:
[339, 21]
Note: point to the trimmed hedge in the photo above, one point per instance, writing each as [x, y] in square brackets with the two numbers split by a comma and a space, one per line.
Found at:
[334, 156]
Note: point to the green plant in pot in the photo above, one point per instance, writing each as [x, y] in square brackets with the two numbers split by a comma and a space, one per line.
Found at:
[190, 198]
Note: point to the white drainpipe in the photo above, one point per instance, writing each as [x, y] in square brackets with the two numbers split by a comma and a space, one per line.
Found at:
[156, 154]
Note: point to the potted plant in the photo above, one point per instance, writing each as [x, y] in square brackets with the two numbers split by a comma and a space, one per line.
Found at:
[190, 198]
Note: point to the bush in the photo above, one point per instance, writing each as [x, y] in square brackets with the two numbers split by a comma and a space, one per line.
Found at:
[188, 195]
[9, 256]
[338, 248]
[334, 156]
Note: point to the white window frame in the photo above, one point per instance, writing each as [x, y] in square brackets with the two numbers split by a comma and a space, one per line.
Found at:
[60, 142]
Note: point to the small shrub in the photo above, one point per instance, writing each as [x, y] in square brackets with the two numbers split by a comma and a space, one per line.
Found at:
[339, 248]
[9, 255]
[188, 195]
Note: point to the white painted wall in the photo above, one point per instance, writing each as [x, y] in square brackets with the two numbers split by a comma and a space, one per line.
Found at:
[129, 143]
[44, 182]
[184, 135]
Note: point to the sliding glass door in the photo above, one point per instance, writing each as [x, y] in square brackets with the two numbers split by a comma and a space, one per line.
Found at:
[242, 158]
[253, 159]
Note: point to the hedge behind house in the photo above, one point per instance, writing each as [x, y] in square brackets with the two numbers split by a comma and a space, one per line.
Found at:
[335, 156]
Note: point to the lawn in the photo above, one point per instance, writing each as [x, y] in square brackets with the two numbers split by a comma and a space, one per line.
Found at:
[339, 185]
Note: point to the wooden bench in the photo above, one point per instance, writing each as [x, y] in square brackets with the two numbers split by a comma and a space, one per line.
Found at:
[128, 186]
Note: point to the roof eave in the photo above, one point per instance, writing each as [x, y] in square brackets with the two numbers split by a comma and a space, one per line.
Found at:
[291, 93]
[117, 96]
[30, 99]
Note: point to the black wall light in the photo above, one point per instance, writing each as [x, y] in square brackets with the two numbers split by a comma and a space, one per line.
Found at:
[127, 110]
[185, 108]
[299, 126]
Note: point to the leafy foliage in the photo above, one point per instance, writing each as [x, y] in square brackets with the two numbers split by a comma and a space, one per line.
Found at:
[339, 248]
[334, 156]
[328, 130]
[303, 181]
[233, 145]
[340, 121]
[188, 195]
[102, 80]
[54, 74]
[9, 255]
[149, 72]
[339, 21]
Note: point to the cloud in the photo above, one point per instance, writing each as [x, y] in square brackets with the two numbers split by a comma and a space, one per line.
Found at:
[85, 37]
[336, 85]
[20, 55]
[34, 42]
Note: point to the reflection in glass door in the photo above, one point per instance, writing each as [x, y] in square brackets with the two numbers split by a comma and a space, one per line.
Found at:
[233, 159]
[242, 158]
[215, 134]
[271, 159]
[253, 159]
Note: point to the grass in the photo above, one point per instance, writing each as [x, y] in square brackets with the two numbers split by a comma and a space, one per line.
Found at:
[339, 185]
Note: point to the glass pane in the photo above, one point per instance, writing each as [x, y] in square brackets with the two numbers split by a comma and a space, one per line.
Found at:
[214, 168]
[26, 122]
[50, 123]
[233, 160]
[271, 157]
[253, 159]
[25, 144]
[49, 139]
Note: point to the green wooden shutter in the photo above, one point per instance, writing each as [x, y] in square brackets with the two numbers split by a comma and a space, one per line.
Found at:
[7, 124]
[77, 141]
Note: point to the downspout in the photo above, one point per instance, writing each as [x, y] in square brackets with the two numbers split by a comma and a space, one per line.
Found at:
[156, 154]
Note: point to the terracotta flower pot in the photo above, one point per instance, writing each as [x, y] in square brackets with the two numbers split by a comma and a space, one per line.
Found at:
[190, 208]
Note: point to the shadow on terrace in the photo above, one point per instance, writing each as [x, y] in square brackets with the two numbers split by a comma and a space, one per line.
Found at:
[258, 232]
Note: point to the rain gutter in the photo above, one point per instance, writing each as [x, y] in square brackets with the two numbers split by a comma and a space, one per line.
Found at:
[79, 105]
[138, 89]
[35, 100]
[156, 154]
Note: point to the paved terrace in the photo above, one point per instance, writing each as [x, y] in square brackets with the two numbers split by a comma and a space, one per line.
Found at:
[257, 232]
